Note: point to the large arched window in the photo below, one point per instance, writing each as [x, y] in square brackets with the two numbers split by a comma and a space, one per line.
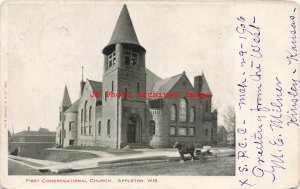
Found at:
[81, 129]
[108, 127]
[81, 116]
[85, 111]
[173, 112]
[182, 109]
[192, 115]
[137, 87]
[90, 114]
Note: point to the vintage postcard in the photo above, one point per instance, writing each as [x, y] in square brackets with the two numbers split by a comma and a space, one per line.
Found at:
[149, 94]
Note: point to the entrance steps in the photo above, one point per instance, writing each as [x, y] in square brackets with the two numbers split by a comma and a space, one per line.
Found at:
[137, 146]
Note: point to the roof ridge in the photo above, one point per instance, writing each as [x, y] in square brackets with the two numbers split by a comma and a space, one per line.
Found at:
[173, 76]
[94, 81]
[73, 106]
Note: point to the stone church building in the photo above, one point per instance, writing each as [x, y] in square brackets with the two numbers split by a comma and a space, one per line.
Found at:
[116, 122]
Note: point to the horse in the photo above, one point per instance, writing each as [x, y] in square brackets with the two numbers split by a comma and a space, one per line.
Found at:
[184, 149]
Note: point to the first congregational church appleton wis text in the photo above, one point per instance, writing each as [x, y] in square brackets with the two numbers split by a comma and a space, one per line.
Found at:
[118, 122]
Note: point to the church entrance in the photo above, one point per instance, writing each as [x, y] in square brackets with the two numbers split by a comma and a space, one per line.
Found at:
[131, 133]
[133, 129]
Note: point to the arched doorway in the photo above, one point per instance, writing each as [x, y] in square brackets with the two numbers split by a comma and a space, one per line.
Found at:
[133, 129]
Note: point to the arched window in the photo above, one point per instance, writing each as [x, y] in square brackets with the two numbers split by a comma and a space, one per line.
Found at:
[108, 127]
[206, 132]
[206, 106]
[152, 127]
[182, 109]
[137, 87]
[81, 119]
[125, 89]
[90, 114]
[85, 111]
[99, 127]
[173, 112]
[192, 115]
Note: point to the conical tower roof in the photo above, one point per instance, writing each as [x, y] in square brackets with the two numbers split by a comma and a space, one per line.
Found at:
[123, 33]
[66, 102]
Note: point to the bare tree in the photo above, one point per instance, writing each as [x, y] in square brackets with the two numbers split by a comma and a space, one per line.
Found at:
[229, 121]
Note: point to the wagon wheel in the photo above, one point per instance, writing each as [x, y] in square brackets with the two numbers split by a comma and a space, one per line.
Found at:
[217, 155]
[204, 156]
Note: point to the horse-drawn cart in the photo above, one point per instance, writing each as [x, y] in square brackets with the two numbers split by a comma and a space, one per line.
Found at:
[207, 153]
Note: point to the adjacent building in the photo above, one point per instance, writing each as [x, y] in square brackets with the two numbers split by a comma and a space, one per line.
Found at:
[28, 142]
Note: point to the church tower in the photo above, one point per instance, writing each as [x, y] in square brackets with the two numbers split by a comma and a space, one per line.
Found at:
[124, 58]
[66, 103]
[124, 71]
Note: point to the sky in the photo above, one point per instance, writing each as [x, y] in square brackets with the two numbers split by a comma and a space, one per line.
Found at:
[48, 43]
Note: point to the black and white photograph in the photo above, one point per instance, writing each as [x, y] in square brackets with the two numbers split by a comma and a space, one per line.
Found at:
[142, 93]
[112, 100]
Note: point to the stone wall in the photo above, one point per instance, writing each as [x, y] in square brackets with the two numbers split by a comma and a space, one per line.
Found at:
[70, 133]
[161, 136]
[89, 137]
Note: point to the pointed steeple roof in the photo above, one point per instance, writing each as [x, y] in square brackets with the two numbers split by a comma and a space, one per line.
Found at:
[66, 102]
[124, 32]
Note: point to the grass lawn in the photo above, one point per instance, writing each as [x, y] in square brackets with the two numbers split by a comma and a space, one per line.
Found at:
[15, 168]
[216, 167]
[66, 156]
[105, 149]
[32, 163]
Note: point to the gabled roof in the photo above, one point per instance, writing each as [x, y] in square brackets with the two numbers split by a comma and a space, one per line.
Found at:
[66, 102]
[124, 31]
[151, 79]
[166, 85]
[74, 107]
[205, 87]
[96, 85]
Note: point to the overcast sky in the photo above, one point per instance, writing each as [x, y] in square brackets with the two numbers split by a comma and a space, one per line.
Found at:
[48, 44]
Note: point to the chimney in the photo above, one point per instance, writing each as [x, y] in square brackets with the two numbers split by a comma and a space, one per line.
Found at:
[198, 83]
[28, 128]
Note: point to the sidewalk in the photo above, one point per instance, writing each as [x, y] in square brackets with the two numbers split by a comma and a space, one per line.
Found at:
[98, 153]
[147, 156]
